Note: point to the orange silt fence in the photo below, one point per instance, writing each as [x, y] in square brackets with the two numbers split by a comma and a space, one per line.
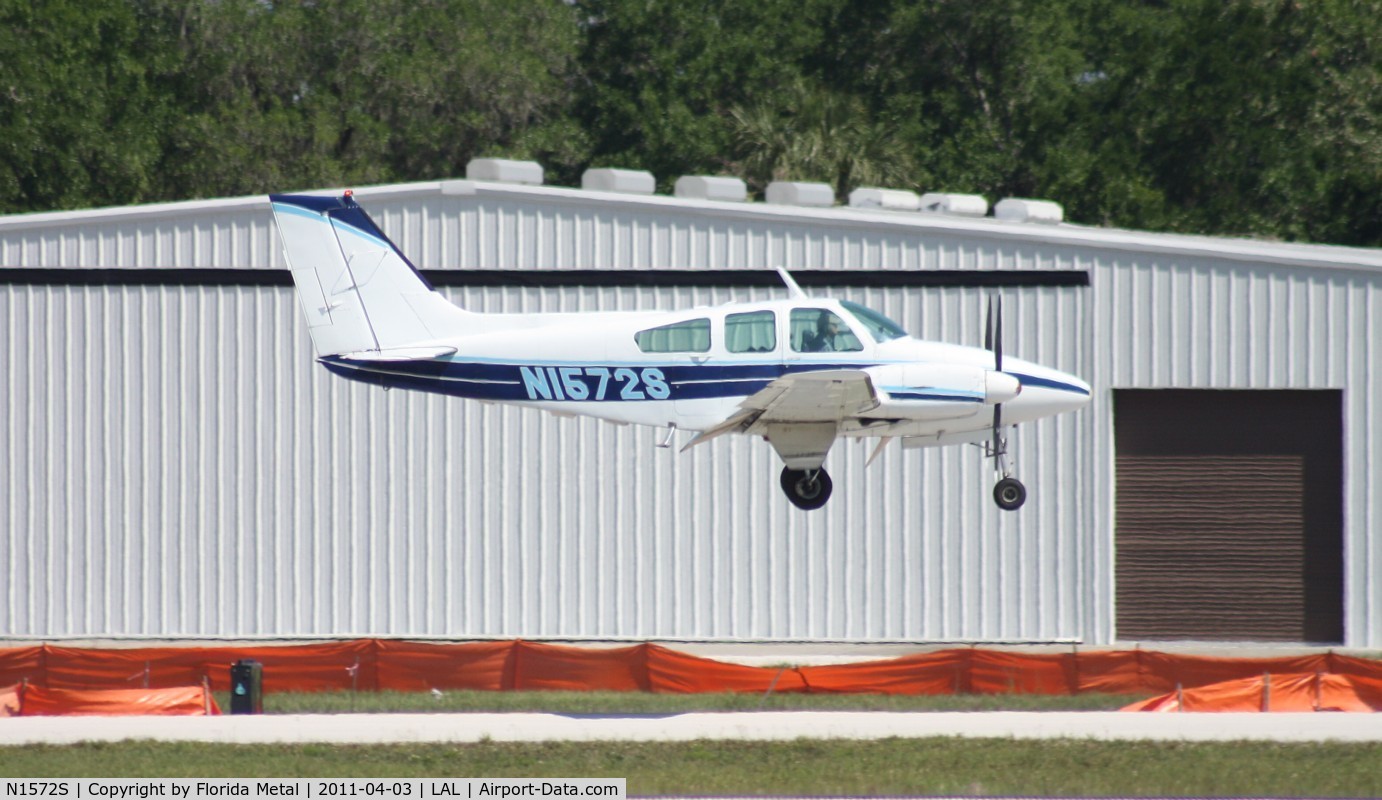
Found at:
[942, 672]
[384, 664]
[673, 672]
[1273, 692]
[178, 701]
[557, 667]
[9, 700]
[416, 667]
[313, 667]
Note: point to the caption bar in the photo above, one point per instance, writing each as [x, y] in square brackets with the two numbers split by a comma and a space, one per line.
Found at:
[253, 789]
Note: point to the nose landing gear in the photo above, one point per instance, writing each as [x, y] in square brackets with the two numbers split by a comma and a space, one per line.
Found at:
[1008, 492]
[808, 489]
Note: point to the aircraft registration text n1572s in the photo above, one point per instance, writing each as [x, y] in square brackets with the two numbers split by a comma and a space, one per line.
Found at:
[594, 383]
[800, 372]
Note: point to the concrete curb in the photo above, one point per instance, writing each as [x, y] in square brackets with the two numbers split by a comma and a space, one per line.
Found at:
[758, 726]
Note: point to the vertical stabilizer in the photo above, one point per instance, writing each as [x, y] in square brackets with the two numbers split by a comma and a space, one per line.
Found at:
[358, 291]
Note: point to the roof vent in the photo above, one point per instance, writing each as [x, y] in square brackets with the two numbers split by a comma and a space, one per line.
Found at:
[891, 199]
[504, 171]
[961, 205]
[787, 193]
[1019, 210]
[705, 187]
[625, 181]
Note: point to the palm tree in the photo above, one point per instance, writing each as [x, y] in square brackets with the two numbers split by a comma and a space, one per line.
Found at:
[820, 135]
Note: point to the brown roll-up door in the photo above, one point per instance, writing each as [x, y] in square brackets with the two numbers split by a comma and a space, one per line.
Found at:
[1229, 515]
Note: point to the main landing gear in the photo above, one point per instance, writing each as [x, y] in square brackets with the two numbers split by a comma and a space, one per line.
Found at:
[808, 489]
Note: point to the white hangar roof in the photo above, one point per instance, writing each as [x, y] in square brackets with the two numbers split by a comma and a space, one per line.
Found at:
[439, 225]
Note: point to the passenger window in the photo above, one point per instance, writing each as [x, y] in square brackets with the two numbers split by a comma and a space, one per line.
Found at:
[754, 332]
[692, 336]
[816, 330]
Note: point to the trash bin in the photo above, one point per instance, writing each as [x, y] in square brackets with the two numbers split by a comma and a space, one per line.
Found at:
[247, 687]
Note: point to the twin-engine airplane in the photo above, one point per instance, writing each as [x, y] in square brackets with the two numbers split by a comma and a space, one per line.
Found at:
[800, 372]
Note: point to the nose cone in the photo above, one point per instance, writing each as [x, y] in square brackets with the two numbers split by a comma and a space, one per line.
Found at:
[1045, 391]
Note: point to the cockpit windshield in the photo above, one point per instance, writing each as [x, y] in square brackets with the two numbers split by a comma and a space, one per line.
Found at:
[879, 327]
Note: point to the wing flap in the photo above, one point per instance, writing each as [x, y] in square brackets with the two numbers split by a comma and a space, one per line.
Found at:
[805, 397]
[826, 396]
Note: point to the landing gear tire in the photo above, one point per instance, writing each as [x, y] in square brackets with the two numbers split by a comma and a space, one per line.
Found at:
[808, 489]
[1009, 494]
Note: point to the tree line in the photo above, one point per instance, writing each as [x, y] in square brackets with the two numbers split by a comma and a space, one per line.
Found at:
[1239, 117]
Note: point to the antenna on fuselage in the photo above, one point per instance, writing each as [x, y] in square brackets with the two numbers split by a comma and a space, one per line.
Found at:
[791, 284]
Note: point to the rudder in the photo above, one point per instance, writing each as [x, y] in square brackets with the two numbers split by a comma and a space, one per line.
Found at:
[357, 290]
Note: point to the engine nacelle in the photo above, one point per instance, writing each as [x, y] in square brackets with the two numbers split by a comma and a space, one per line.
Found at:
[938, 391]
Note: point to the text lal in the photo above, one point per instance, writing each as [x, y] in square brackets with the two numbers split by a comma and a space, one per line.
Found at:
[503, 790]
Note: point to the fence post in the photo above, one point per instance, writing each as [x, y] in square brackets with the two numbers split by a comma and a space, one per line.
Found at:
[1266, 691]
[354, 681]
[771, 686]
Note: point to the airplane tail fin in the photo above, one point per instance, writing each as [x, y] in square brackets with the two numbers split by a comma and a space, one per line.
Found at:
[357, 289]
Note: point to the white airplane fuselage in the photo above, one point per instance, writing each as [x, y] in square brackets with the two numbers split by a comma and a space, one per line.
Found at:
[589, 364]
[800, 372]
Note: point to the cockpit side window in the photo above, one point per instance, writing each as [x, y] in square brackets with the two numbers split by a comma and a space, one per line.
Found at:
[819, 330]
[751, 332]
[691, 336]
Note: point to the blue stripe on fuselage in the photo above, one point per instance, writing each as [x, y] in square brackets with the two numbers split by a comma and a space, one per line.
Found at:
[598, 383]
[922, 395]
[614, 382]
[1047, 383]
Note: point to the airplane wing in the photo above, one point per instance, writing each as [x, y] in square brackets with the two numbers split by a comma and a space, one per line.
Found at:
[825, 396]
[803, 397]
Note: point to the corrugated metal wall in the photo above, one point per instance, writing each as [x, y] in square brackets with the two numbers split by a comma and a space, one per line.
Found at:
[175, 464]
[1210, 323]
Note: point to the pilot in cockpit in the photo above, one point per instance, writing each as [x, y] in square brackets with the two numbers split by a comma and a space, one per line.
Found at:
[823, 340]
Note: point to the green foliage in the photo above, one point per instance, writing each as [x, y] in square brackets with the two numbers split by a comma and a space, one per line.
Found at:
[306, 94]
[818, 134]
[80, 115]
[1253, 117]
[663, 76]
[127, 100]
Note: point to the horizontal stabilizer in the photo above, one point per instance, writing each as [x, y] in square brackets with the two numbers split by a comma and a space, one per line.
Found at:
[401, 354]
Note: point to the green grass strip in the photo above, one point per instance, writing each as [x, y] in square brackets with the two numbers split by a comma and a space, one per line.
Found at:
[648, 703]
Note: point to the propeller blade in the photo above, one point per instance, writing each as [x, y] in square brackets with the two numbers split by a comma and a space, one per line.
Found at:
[997, 348]
[998, 338]
[988, 327]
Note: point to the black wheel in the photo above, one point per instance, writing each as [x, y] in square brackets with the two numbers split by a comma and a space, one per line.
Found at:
[1010, 494]
[808, 489]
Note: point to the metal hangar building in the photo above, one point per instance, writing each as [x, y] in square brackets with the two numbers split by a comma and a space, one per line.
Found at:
[173, 464]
